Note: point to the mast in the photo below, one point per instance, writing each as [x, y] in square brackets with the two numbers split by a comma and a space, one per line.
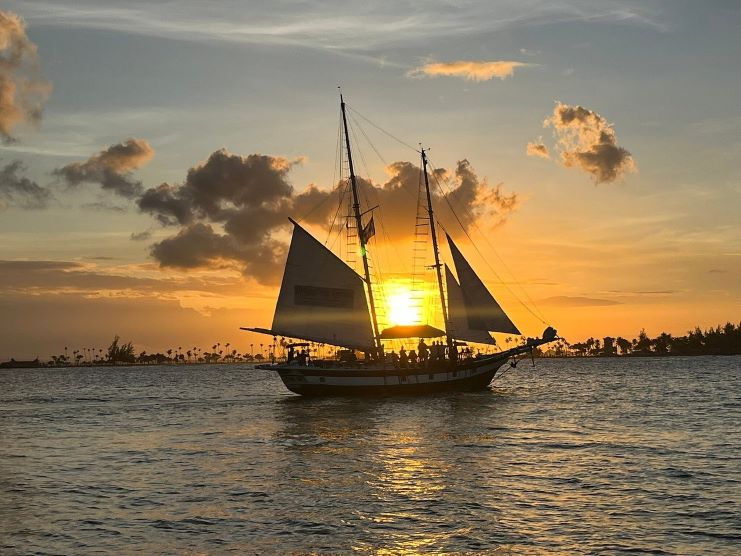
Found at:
[359, 227]
[436, 250]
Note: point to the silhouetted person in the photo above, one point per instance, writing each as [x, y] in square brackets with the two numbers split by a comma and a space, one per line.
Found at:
[437, 351]
[394, 359]
[422, 351]
[403, 358]
[412, 358]
[302, 357]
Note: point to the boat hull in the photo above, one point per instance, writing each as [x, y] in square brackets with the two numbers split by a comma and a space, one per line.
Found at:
[475, 374]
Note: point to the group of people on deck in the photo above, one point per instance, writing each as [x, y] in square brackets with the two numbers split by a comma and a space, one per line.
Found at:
[425, 355]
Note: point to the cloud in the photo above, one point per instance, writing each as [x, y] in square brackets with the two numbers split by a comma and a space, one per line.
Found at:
[20, 191]
[23, 92]
[472, 70]
[141, 236]
[248, 198]
[31, 277]
[538, 149]
[577, 301]
[104, 205]
[111, 168]
[232, 210]
[329, 25]
[587, 141]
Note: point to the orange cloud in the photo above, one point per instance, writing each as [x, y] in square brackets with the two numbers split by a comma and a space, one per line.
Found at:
[472, 70]
[23, 92]
[587, 141]
[538, 149]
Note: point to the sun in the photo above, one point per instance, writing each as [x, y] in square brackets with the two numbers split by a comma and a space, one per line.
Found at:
[401, 306]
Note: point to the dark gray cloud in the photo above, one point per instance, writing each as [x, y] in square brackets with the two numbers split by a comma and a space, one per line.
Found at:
[198, 246]
[23, 92]
[104, 205]
[19, 191]
[231, 209]
[111, 168]
[228, 209]
[141, 236]
[587, 141]
[166, 205]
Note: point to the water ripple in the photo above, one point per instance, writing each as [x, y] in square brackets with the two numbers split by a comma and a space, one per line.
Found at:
[637, 456]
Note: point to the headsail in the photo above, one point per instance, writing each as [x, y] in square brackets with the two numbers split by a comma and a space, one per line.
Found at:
[457, 314]
[482, 310]
[321, 298]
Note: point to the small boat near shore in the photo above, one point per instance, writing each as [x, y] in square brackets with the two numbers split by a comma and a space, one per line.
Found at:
[323, 300]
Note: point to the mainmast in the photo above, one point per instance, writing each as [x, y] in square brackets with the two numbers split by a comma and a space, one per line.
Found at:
[436, 250]
[359, 227]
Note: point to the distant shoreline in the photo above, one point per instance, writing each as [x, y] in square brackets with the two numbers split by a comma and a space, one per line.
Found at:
[12, 364]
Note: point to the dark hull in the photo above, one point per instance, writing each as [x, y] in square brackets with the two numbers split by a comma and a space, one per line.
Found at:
[472, 375]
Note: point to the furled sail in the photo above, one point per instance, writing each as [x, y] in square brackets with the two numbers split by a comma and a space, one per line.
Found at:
[457, 314]
[321, 298]
[482, 310]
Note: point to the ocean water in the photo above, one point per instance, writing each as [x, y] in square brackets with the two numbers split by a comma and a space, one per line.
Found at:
[586, 456]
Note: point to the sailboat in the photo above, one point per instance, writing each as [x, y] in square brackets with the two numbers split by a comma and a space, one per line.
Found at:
[323, 300]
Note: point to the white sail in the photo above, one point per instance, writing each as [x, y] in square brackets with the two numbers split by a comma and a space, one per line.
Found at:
[482, 310]
[321, 298]
[457, 314]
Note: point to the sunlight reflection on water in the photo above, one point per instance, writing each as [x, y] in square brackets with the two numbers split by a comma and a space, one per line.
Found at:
[576, 457]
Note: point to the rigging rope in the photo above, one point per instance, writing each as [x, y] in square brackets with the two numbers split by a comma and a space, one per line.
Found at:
[540, 316]
[379, 128]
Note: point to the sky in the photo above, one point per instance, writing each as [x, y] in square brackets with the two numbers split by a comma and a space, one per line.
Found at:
[152, 152]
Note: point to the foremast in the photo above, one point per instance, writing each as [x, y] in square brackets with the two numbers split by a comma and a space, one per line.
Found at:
[359, 228]
[436, 251]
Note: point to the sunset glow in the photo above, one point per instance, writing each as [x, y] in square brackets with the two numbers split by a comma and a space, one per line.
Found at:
[401, 305]
[155, 203]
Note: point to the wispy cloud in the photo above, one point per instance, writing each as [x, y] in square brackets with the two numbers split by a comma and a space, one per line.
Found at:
[578, 301]
[338, 26]
[472, 70]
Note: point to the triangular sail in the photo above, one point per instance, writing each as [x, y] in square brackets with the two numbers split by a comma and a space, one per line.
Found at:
[482, 310]
[321, 298]
[457, 314]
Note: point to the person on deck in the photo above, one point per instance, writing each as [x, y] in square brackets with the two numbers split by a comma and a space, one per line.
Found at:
[423, 351]
[412, 358]
[439, 351]
[403, 358]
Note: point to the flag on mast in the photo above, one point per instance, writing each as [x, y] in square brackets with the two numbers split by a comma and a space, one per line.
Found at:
[369, 230]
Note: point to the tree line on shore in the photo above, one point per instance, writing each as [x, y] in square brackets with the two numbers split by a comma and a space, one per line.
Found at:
[125, 353]
[721, 340]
